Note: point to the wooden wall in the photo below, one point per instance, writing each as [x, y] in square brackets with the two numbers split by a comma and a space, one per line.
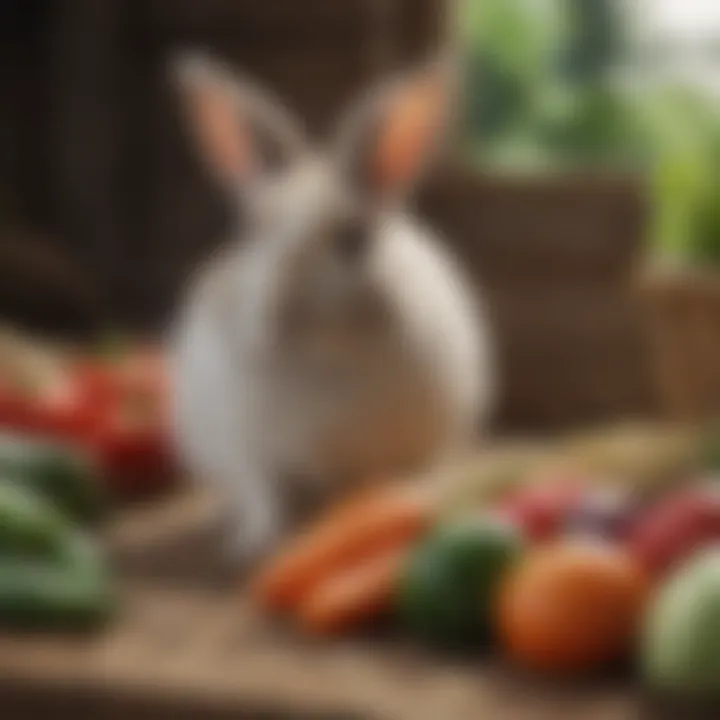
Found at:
[133, 194]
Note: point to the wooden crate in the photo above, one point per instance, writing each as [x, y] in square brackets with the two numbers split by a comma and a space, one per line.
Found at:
[556, 259]
[684, 311]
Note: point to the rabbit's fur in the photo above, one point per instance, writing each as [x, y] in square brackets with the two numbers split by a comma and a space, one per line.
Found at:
[337, 339]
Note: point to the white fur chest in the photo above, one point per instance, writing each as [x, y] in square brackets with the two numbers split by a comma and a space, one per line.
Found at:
[333, 418]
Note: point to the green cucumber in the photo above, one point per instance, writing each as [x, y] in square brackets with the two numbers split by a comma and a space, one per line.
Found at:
[74, 592]
[30, 527]
[52, 575]
[61, 473]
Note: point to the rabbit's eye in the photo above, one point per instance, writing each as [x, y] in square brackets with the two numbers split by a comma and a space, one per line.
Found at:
[351, 239]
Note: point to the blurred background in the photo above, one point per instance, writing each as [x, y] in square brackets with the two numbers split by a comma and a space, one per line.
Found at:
[629, 85]
[580, 190]
[587, 157]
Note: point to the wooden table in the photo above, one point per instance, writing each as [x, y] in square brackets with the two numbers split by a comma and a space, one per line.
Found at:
[187, 645]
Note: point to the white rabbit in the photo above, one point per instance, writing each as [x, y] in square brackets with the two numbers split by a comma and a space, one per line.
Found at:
[336, 339]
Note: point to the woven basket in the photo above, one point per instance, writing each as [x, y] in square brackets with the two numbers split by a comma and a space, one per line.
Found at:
[684, 311]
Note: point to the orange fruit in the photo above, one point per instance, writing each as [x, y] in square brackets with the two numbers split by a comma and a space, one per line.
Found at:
[571, 607]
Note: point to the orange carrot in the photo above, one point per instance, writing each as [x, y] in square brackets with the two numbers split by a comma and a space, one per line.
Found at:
[375, 523]
[346, 601]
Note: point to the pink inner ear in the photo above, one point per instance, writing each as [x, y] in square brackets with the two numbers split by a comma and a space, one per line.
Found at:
[409, 132]
[224, 135]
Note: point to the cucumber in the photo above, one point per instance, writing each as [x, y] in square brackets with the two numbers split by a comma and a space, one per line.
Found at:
[73, 592]
[30, 527]
[52, 575]
[61, 473]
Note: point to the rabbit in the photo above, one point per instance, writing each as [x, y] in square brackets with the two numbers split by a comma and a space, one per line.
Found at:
[335, 338]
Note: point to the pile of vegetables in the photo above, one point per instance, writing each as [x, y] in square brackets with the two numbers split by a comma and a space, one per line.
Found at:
[564, 571]
[53, 573]
[76, 431]
[112, 404]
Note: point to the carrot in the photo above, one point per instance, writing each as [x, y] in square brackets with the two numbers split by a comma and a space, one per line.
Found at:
[343, 602]
[364, 528]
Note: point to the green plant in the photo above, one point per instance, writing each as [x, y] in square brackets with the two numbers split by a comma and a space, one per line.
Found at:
[542, 92]
[510, 45]
[682, 136]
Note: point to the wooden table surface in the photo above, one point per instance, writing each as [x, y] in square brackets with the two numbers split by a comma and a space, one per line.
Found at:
[186, 645]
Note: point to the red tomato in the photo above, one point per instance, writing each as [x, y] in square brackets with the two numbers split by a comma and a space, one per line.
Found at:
[542, 508]
[137, 378]
[676, 527]
[135, 461]
[132, 439]
[97, 382]
[116, 407]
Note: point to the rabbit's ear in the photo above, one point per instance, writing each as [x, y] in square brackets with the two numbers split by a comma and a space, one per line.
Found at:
[388, 139]
[241, 132]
